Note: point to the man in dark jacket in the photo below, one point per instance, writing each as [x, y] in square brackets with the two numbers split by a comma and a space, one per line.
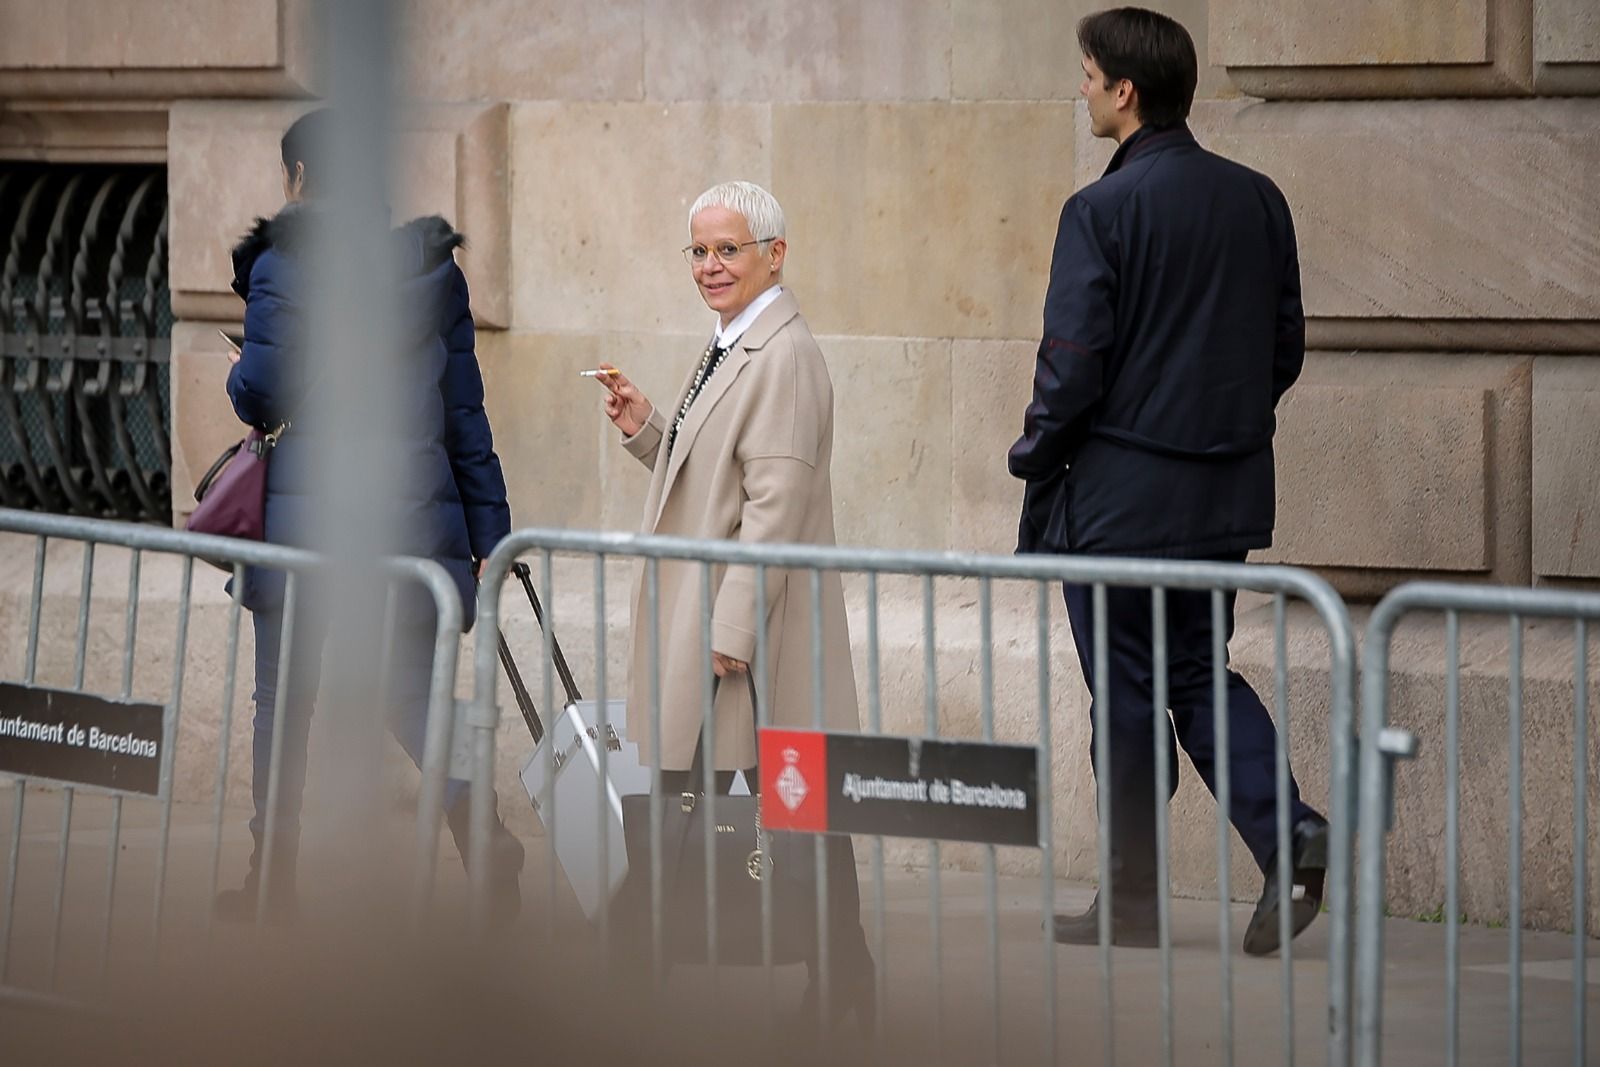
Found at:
[452, 505]
[1172, 326]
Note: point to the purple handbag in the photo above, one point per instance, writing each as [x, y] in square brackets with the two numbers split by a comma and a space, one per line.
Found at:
[233, 493]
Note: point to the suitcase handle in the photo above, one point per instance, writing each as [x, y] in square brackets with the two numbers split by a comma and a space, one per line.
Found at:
[525, 576]
[530, 714]
[519, 689]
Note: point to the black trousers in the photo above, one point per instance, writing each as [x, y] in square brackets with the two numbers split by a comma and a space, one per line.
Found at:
[1252, 737]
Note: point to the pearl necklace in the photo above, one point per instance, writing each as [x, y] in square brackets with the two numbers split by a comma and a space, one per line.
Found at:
[708, 364]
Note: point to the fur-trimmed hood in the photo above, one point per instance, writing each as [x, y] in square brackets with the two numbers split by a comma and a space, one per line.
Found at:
[420, 245]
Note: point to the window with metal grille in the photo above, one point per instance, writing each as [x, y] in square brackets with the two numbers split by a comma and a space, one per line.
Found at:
[86, 317]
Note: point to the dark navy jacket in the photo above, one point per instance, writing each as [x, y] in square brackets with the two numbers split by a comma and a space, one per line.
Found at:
[1172, 327]
[454, 495]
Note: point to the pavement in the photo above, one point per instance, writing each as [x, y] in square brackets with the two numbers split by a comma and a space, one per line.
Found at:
[942, 979]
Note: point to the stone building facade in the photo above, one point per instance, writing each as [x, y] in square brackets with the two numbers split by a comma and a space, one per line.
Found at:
[1442, 158]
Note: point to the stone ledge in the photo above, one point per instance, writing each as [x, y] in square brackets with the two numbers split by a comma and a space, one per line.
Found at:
[106, 134]
[1543, 337]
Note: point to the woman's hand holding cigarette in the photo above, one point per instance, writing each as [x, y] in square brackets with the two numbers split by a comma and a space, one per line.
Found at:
[626, 407]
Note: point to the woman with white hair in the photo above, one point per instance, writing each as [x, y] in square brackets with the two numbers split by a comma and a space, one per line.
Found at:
[744, 453]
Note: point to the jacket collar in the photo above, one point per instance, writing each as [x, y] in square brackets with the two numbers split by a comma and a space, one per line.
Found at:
[766, 326]
[770, 321]
[728, 336]
[1145, 139]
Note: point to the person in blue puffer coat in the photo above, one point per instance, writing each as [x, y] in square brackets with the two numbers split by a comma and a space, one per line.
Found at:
[453, 495]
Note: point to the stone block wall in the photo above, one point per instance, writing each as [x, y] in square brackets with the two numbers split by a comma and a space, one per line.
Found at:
[1442, 162]
[1442, 158]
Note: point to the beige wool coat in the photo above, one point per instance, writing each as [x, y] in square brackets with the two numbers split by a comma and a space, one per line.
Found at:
[751, 463]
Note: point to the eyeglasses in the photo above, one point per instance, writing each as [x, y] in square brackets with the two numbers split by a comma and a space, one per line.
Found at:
[725, 251]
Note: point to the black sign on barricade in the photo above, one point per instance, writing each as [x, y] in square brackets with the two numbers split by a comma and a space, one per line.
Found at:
[81, 739]
[900, 787]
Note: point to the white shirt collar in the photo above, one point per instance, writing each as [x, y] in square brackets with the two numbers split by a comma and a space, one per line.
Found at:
[728, 336]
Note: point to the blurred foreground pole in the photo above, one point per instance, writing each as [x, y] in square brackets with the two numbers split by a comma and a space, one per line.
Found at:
[355, 350]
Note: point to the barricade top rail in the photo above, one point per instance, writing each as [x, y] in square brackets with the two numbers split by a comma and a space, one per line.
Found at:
[1087, 570]
[1480, 599]
[223, 549]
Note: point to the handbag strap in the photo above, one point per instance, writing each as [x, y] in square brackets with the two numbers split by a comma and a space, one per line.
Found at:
[697, 765]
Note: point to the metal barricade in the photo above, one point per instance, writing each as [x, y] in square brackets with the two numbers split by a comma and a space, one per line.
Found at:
[137, 652]
[1037, 581]
[1382, 744]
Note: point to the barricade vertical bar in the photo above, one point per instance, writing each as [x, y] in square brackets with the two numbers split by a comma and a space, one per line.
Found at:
[764, 838]
[991, 869]
[131, 631]
[129, 641]
[1163, 758]
[1047, 834]
[1102, 777]
[67, 795]
[875, 725]
[386, 649]
[1370, 811]
[603, 748]
[1219, 709]
[1343, 778]
[440, 728]
[169, 754]
[1580, 846]
[438, 738]
[111, 890]
[930, 712]
[35, 607]
[819, 842]
[275, 765]
[1452, 836]
[80, 654]
[1280, 678]
[480, 802]
[708, 763]
[11, 877]
[547, 640]
[657, 946]
[1514, 788]
[229, 680]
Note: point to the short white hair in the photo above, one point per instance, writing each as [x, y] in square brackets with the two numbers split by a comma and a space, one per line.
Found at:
[760, 208]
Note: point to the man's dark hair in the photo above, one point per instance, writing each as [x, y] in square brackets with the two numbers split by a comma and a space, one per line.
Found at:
[305, 141]
[1152, 51]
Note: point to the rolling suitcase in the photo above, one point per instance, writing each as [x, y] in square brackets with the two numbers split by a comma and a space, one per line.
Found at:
[572, 809]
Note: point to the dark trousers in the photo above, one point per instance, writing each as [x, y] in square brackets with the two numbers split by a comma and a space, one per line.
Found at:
[1252, 737]
[411, 668]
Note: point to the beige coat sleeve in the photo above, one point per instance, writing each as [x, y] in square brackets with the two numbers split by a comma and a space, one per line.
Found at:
[644, 445]
[779, 438]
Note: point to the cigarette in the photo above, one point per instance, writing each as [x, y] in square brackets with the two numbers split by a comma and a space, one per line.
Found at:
[604, 373]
